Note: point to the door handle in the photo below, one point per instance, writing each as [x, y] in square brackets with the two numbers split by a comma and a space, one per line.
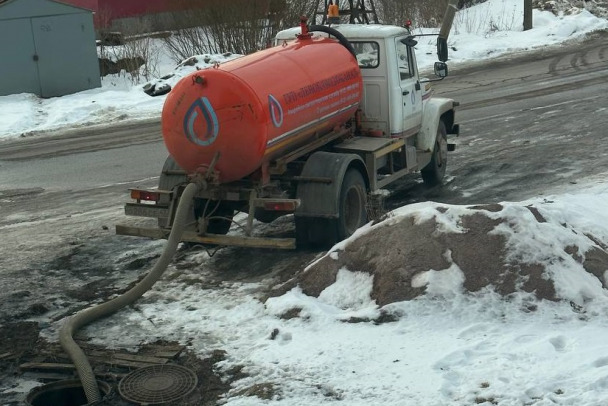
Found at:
[405, 92]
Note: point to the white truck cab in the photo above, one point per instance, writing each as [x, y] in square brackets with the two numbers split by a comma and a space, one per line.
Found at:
[396, 102]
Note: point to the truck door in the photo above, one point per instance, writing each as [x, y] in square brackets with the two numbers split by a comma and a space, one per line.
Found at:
[410, 86]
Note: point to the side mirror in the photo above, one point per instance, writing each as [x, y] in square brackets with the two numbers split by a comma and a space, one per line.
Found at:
[409, 41]
[442, 49]
[441, 69]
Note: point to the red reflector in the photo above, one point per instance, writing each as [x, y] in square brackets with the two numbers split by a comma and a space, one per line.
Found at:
[280, 206]
[145, 195]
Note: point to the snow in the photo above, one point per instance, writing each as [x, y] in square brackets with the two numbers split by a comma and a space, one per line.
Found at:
[440, 283]
[448, 347]
[495, 28]
[487, 30]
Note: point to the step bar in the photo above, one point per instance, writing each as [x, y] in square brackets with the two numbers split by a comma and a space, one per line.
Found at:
[210, 239]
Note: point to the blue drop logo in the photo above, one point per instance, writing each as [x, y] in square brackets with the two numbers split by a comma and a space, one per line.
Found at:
[201, 106]
[276, 111]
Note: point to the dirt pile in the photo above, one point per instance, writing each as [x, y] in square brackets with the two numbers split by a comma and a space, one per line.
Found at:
[399, 253]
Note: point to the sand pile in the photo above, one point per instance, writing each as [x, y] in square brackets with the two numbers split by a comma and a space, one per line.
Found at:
[436, 249]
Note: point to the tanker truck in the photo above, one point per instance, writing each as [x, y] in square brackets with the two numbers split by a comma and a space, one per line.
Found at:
[309, 128]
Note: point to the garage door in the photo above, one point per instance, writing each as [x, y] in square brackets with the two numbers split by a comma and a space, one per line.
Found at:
[65, 54]
[18, 70]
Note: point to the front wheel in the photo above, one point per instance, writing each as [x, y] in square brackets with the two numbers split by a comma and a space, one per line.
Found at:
[434, 172]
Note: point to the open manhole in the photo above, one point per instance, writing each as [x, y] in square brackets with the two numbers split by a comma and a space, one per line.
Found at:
[157, 384]
[63, 393]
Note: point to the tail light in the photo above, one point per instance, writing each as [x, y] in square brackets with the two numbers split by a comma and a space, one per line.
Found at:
[281, 205]
[146, 195]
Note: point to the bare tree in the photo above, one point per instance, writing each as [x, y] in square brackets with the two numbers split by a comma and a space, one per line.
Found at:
[290, 17]
[426, 13]
[132, 52]
[238, 26]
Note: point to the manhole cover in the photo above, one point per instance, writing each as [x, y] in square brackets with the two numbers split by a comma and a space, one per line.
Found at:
[157, 384]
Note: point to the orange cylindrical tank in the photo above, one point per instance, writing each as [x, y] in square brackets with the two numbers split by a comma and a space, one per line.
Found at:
[255, 108]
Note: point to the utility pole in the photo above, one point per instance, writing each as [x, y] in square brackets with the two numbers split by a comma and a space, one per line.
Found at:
[527, 15]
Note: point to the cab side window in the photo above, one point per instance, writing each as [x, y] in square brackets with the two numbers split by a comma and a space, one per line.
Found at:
[368, 54]
[404, 65]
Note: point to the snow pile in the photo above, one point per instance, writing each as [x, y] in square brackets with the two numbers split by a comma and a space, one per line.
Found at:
[495, 28]
[539, 247]
[184, 68]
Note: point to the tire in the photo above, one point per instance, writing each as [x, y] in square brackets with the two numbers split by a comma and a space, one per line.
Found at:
[267, 216]
[353, 201]
[434, 172]
[317, 232]
[352, 214]
[168, 182]
[303, 231]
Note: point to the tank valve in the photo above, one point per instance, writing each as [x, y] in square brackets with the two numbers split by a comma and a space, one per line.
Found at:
[304, 26]
[199, 80]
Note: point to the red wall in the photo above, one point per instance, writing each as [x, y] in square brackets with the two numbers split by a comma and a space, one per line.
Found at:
[132, 8]
[88, 4]
[108, 10]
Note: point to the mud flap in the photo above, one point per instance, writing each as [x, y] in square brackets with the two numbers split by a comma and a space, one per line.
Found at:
[319, 188]
[320, 184]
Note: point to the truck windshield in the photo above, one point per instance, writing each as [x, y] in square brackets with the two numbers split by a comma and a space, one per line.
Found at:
[368, 53]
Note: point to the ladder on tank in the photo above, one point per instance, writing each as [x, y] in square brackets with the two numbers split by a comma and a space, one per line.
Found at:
[357, 11]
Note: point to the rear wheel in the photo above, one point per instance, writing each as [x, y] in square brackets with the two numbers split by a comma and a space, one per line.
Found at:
[167, 179]
[434, 172]
[352, 214]
[310, 231]
[353, 198]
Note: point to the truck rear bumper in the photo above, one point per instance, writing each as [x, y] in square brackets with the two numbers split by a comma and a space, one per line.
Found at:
[146, 210]
[210, 239]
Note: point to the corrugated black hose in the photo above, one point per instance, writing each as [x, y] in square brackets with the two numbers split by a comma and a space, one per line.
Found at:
[84, 317]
